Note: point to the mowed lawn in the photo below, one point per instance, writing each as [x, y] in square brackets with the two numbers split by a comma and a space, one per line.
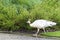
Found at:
[52, 34]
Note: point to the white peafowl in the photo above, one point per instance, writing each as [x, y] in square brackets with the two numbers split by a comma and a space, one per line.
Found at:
[41, 24]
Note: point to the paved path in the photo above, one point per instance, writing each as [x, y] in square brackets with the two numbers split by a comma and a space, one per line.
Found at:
[4, 36]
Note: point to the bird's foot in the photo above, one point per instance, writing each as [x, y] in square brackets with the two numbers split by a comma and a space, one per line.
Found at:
[35, 35]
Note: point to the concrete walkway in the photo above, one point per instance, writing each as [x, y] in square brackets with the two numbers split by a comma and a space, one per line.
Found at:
[4, 36]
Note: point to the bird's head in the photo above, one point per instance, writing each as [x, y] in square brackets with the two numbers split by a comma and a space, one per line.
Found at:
[29, 21]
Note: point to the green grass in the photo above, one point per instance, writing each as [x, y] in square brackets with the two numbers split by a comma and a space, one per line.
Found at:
[52, 34]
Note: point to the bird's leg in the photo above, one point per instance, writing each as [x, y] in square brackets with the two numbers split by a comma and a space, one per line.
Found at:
[36, 32]
[44, 30]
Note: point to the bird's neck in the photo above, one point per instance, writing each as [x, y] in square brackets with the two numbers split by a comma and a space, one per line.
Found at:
[29, 23]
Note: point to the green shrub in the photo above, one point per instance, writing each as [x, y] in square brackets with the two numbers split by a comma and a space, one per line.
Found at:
[14, 14]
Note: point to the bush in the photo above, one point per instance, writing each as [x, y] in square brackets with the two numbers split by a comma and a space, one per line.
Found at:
[14, 14]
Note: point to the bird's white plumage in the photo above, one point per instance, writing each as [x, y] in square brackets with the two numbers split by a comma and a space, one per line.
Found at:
[41, 24]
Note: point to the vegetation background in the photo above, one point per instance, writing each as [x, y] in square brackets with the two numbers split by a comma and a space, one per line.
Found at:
[15, 13]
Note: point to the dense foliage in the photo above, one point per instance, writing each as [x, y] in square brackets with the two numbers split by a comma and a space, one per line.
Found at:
[15, 13]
